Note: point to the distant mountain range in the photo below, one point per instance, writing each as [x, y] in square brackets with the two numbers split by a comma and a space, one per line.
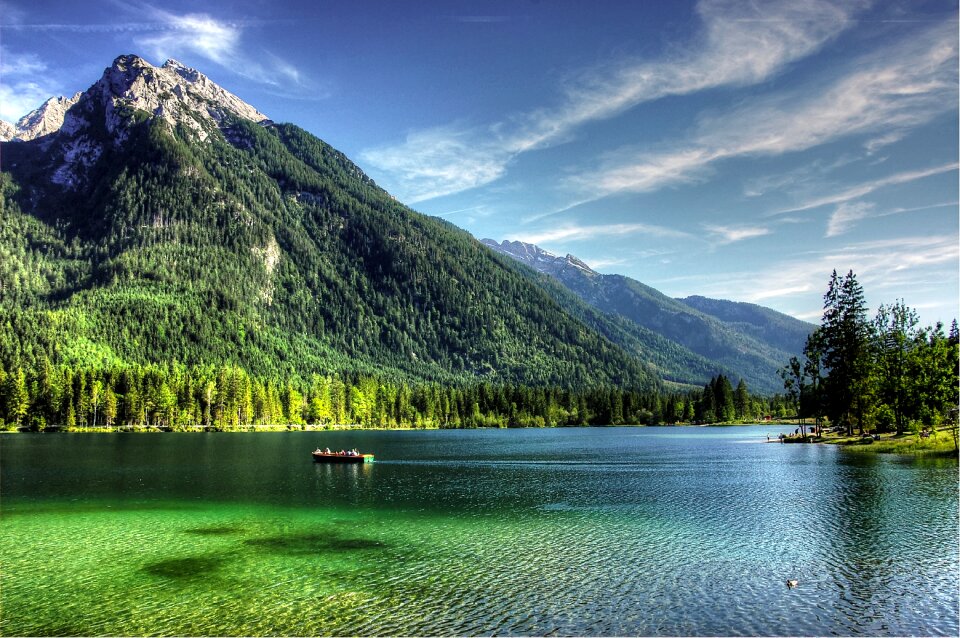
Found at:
[705, 336]
[158, 218]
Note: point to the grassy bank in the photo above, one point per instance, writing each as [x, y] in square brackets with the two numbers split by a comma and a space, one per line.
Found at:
[939, 443]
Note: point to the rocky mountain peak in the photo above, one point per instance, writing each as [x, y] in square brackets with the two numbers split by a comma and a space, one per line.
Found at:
[540, 259]
[173, 92]
[44, 120]
[181, 97]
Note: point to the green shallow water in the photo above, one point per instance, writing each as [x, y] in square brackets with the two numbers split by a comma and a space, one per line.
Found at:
[557, 532]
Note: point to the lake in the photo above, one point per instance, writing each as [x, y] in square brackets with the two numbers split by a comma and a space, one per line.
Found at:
[580, 531]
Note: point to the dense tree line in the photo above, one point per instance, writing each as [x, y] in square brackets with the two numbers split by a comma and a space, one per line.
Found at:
[719, 402]
[885, 374]
[175, 396]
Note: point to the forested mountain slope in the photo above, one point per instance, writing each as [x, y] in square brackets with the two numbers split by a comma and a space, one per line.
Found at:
[166, 220]
[699, 339]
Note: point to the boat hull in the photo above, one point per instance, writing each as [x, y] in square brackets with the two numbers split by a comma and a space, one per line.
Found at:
[323, 457]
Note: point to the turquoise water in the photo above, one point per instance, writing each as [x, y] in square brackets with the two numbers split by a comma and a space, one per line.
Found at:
[604, 531]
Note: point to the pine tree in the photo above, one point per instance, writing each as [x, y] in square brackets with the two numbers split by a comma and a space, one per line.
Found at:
[723, 396]
[846, 341]
[742, 401]
[17, 397]
[110, 406]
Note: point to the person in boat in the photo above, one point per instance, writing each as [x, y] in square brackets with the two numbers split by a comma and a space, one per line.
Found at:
[327, 451]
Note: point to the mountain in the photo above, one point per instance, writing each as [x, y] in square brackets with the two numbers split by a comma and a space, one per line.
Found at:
[709, 336]
[45, 120]
[781, 331]
[158, 218]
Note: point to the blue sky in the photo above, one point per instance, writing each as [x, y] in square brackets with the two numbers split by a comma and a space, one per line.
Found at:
[734, 149]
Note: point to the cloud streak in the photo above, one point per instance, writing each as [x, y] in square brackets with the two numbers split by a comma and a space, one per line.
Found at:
[894, 92]
[220, 41]
[847, 214]
[24, 85]
[738, 44]
[732, 234]
[861, 190]
[574, 233]
[195, 33]
[918, 263]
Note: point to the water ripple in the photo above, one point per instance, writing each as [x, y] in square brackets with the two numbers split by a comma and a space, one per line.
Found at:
[688, 536]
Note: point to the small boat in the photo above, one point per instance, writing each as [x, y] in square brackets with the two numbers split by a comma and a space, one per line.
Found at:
[322, 456]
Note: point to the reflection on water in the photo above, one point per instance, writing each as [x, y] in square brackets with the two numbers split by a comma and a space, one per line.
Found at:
[619, 531]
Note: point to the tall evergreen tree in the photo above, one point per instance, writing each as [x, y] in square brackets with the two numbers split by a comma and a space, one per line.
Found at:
[17, 398]
[742, 401]
[846, 341]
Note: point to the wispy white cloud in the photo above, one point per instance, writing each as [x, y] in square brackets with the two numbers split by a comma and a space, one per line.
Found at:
[731, 234]
[860, 190]
[846, 215]
[903, 88]
[920, 264]
[216, 40]
[883, 140]
[740, 43]
[799, 179]
[574, 233]
[195, 33]
[164, 34]
[23, 86]
[606, 262]
[20, 64]
[437, 162]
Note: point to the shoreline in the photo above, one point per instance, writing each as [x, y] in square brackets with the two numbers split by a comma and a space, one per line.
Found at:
[939, 442]
[341, 427]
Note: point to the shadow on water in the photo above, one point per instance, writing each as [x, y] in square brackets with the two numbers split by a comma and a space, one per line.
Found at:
[185, 568]
[313, 543]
